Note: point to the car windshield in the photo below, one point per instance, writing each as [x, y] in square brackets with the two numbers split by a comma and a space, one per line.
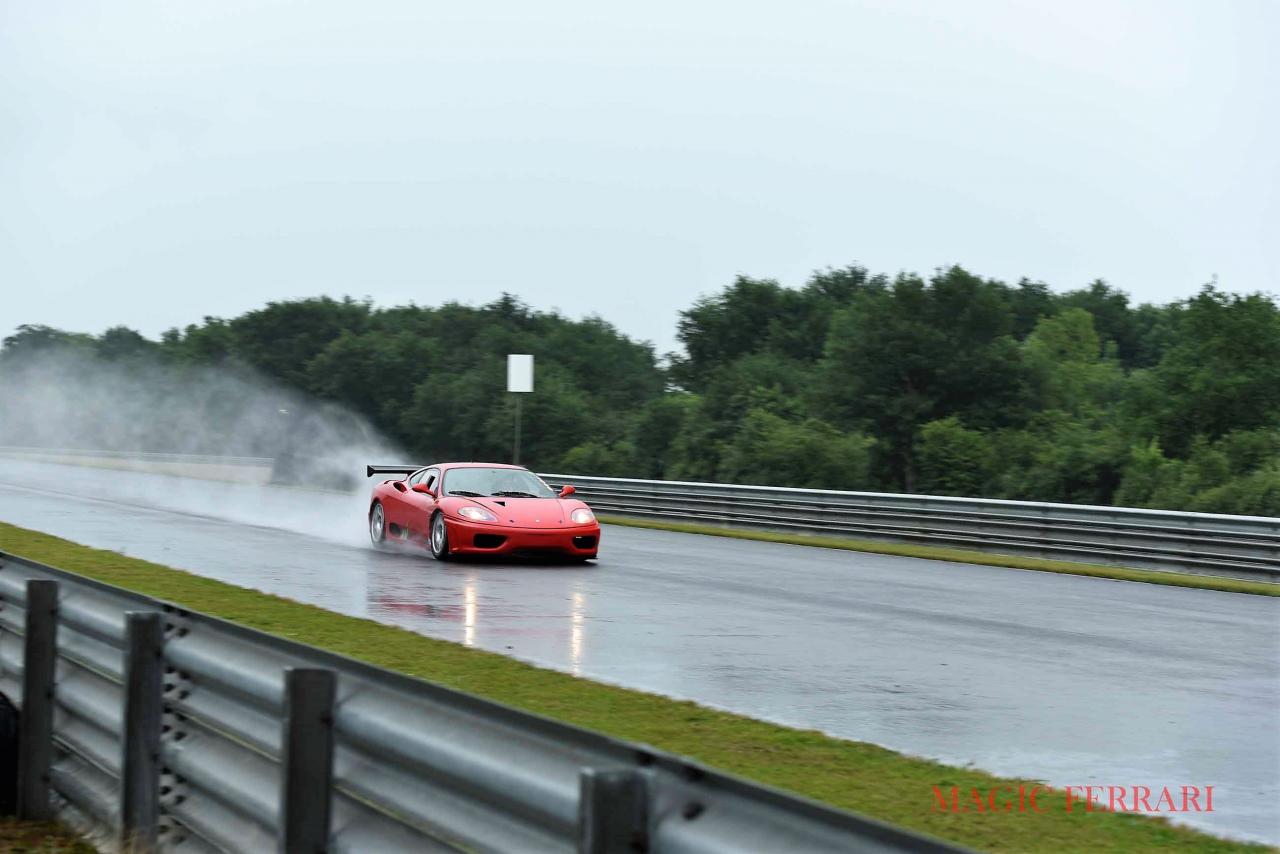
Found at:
[507, 483]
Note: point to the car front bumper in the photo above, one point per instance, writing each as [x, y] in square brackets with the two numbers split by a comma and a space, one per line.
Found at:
[476, 538]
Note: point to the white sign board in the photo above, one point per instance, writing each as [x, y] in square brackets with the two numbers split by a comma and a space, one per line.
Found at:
[519, 372]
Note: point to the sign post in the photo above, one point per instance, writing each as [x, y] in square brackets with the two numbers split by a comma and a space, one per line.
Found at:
[519, 381]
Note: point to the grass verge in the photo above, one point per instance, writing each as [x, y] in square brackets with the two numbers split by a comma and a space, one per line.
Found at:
[1148, 576]
[38, 837]
[852, 775]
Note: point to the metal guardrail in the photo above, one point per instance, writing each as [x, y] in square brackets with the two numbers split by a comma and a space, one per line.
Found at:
[156, 727]
[1201, 543]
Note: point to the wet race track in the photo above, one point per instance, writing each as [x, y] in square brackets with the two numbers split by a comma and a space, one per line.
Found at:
[1066, 679]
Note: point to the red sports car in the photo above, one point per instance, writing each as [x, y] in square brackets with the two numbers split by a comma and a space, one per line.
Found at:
[479, 508]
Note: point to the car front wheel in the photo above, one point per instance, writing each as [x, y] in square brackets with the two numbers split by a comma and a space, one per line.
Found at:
[439, 538]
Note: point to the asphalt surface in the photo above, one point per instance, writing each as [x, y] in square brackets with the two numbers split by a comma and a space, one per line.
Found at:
[1075, 681]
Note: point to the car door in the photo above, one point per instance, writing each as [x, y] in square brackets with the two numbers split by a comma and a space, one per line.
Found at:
[420, 505]
[397, 506]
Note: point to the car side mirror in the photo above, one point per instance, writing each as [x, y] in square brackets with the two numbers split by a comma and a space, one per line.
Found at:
[423, 488]
[566, 491]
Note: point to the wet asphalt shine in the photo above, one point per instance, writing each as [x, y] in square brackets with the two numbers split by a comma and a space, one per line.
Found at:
[1071, 680]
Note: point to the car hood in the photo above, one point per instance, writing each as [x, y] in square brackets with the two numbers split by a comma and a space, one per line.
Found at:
[529, 512]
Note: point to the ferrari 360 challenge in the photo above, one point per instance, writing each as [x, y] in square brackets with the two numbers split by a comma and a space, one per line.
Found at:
[478, 509]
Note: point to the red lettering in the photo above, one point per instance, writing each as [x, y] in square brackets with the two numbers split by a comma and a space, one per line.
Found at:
[991, 799]
[1193, 798]
[1113, 799]
[1001, 798]
[940, 801]
[1070, 795]
[1140, 795]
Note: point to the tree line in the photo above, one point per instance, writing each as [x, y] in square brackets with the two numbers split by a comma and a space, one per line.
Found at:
[952, 384]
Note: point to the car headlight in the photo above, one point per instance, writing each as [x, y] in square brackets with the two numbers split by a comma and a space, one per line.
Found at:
[479, 514]
[582, 516]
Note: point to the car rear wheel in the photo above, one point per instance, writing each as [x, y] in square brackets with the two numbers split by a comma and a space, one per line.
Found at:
[377, 526]
[439, 538]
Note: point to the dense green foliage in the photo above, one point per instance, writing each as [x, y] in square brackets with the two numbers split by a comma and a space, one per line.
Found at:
[953, 384]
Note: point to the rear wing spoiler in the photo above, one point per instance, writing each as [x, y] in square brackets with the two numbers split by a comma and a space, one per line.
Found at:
[370, 471]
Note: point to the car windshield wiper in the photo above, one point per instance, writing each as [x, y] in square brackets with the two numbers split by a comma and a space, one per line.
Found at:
[468, 493]
[513, 493]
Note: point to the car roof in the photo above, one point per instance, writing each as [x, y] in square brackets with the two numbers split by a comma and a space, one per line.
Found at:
[475, 466]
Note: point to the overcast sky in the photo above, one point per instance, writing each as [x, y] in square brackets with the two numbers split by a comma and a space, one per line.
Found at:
[164, 161]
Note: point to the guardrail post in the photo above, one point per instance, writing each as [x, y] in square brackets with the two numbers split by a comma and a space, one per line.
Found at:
[306, 775]
[612, 812]
[143, 708]
[35, 728]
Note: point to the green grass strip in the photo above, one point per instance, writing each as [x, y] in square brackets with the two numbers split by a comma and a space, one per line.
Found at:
[853, 775]
[1118, 573]
[40, 837]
